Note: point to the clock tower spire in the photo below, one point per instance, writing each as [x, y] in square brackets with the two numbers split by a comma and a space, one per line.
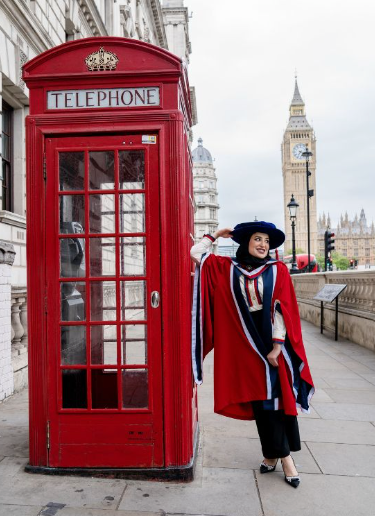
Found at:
[298, 136]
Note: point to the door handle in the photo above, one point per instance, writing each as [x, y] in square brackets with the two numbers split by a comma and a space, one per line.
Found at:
[155, 299]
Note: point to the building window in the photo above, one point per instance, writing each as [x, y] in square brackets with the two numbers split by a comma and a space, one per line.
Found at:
[6, 194]
[201, 185]
[212, 213]
[212, 198]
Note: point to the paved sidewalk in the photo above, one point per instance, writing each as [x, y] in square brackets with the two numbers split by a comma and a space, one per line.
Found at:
[337, 461]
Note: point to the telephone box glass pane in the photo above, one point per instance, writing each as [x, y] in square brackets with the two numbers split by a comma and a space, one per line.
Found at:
[134, 388]
[72, 170]
[73, 301]
[74, 388]
[104, 344]
[134, 344]
[133, 300]
[132, 256]
[72, 258]
[132, 170]
[72, 214]
[102, 257]
[103, 301]
[104, 388]
[132, 213]
[73, 345]
[102, 213]
[102, 170]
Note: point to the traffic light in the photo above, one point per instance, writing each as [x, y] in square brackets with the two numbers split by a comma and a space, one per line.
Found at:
[351, 266]
[328, 247]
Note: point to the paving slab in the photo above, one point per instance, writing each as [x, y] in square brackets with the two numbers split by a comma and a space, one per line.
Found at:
[317, 495]
[344, 459]
[224, 492]
[359, 397]
[18, 487]
[19, 510]
[344, 372]
[311, 414]
[219, 425]
[231, 452]
[320, 382]
[325, 363]
[353, 364]
[320, 395]
[369, 377]
[330, 431]
[14, 441]
[345, 411]
[16, 416]
[242, 453]
[367, 361]
[69, 511]
[354, 384]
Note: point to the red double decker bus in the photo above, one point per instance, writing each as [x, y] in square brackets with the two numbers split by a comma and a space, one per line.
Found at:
[302, 262]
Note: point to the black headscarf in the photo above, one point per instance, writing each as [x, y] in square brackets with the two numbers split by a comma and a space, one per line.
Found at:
[245, 258]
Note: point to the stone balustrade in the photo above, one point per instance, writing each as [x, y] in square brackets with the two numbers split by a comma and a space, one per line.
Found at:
[356, 319]
[19, 336]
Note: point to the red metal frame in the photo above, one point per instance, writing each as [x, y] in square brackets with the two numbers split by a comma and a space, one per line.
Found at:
[171, 419]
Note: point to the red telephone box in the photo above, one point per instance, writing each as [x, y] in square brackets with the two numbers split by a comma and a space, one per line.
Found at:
[110, 223]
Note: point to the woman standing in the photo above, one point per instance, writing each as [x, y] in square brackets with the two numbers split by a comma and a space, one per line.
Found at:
[246, 307]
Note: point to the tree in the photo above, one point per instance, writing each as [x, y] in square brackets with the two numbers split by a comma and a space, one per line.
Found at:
[341, 262]
[298, 251]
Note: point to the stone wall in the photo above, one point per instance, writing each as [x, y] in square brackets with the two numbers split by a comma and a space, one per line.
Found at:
[6, 371]
[356, 317]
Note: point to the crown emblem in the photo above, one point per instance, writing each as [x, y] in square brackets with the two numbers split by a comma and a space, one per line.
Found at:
[101, 60]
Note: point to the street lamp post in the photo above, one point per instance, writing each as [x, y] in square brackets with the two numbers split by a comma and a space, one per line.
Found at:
[309, 193]
[293, 205]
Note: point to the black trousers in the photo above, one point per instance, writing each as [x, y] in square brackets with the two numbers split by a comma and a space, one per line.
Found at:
[278, 433]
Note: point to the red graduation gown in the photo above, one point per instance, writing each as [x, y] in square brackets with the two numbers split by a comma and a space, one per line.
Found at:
[241, 371]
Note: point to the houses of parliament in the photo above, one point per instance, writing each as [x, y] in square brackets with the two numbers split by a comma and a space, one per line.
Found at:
[355, 238]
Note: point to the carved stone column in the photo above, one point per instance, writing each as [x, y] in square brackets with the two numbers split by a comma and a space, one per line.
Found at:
[23, 318]
[16, 321]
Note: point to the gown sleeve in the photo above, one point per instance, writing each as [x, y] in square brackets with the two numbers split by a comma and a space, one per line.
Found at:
[209, 271]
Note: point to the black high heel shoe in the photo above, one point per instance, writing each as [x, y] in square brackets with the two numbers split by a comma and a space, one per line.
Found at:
[293, 481]
[267, 468]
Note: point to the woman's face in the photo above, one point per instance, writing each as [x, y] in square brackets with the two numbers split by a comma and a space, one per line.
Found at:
[259, 245]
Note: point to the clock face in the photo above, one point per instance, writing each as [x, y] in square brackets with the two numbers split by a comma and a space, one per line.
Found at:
[298, 149]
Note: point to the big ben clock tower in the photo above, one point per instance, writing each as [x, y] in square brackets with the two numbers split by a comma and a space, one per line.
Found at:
[297, 136]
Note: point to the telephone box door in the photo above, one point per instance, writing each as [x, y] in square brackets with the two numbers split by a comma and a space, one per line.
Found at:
[102, 301]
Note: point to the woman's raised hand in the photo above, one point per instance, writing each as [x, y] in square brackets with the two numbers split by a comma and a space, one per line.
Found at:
[224, 233]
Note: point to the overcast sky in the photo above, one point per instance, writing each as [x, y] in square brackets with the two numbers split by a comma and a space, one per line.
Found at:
[243, 62]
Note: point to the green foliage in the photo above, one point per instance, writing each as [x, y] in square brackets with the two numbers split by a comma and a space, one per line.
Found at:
[320, 260]
[298, 251]
[341, 262]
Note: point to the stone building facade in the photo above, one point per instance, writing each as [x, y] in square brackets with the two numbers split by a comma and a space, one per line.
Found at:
[354, 239]
[205, 193]
[27, 28]
[297, 136]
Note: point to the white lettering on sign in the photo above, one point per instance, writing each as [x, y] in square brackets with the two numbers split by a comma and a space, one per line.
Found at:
[105, 98]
